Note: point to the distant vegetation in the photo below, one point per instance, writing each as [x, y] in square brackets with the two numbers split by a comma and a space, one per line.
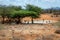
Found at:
[54, 10]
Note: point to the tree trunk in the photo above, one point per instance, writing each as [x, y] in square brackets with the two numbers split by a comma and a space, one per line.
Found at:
[9, 20]
[32, 20]
[18, 20]
[3, 20]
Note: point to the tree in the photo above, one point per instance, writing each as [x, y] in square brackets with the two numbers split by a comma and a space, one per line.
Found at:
[35, 11]
[33, 8]
[18, 15]
[33, 15]
[16, 8]
[23, 13]
[6, 11]
[9, 11]
[3, 12]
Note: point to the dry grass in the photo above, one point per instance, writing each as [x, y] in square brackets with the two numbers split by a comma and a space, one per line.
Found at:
[29, 32]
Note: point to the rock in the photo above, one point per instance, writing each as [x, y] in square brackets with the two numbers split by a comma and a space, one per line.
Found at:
[57, 31]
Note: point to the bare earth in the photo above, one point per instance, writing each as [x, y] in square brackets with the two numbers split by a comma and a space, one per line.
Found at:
[29, 32]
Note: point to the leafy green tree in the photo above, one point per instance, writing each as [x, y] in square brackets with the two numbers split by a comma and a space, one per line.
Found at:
[3, 12]
[16, 8]
[36, 11]
[33, 8]
[6, 11]
[18, 15]
[9, 11]
[33, 15]
[23, 13]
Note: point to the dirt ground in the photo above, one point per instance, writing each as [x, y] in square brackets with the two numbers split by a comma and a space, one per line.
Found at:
[29, 32]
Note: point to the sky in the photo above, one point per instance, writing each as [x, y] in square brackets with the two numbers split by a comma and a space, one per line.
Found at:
[41, 3]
